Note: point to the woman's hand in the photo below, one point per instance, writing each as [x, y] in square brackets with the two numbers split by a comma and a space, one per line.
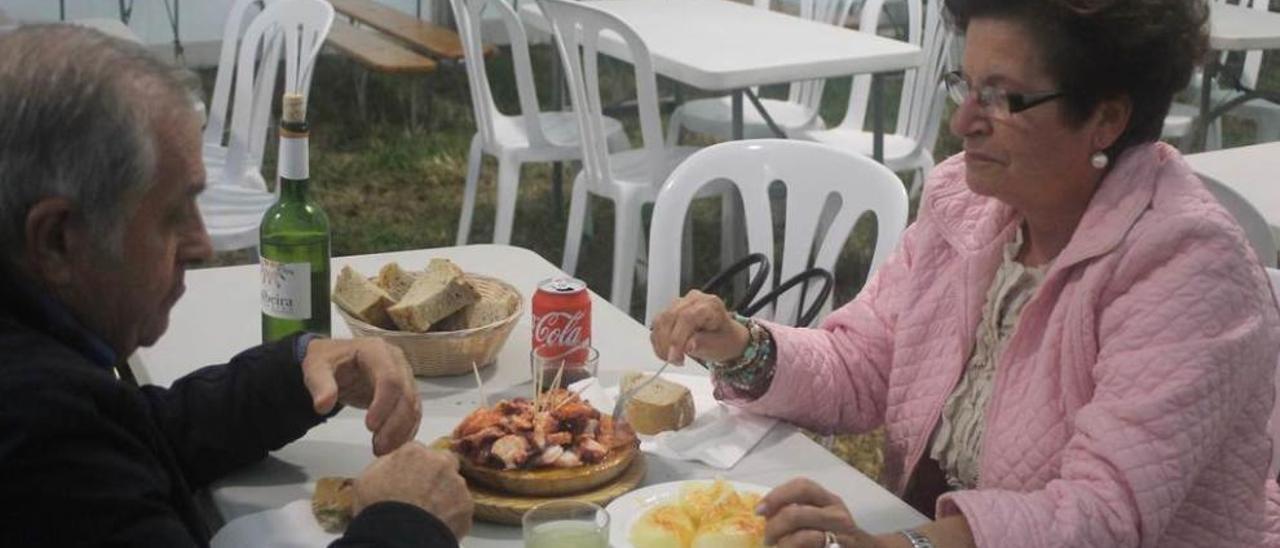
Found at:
[698, 325]
[799, 514]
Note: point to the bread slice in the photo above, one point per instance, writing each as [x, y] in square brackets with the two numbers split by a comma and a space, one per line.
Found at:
[662, 405]
[332, 503]
[395, 280]
[441, 291]
[362, 299]
[489, 309]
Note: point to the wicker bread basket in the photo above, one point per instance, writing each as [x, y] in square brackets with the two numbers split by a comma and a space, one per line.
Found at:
[436, 354]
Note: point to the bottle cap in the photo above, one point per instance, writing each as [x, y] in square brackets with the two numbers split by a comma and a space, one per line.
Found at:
[295, 107]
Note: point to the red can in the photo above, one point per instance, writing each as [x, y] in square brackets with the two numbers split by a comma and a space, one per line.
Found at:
[562, 319]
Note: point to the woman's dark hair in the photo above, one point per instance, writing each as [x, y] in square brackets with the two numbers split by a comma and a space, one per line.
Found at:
[1103, 49]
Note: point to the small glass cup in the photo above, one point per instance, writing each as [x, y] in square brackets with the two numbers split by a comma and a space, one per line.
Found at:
[566, 524]
[577, 365]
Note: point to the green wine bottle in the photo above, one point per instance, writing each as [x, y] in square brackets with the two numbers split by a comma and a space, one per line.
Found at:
[294, 240]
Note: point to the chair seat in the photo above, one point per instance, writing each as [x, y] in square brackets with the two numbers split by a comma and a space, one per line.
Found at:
[232, 215]
[900, 152]
[560, 129]
[714, 115]
[1179, 120]
[630, 168]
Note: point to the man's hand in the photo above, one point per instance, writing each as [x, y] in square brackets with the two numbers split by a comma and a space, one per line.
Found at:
[365, 373]
[422, 477]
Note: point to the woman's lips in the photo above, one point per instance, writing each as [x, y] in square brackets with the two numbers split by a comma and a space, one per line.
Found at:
[971, 156]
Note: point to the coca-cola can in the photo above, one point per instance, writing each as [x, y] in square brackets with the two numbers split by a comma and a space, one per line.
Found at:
[562, 320]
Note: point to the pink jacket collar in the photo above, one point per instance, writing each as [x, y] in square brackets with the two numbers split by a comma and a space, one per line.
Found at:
[971, 223]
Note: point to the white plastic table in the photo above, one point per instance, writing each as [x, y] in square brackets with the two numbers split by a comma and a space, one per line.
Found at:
[720, 45]
[1252, 171]
[218, 316]
[1233, 28]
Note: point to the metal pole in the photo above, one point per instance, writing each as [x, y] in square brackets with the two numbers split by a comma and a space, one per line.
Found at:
[877, 118]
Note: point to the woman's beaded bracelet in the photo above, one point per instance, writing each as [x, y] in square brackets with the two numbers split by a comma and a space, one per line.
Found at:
[752, 373]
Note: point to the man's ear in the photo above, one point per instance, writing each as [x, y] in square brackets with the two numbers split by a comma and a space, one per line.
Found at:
[54, 238]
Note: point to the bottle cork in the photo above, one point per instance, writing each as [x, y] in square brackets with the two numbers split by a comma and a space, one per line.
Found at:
[295, 107]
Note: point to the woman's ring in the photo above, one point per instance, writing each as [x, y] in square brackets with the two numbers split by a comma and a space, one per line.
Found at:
[830, 540]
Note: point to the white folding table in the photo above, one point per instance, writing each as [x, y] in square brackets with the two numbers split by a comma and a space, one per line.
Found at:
[1252, 171]
[219, 315]
[720, 45]
[1233, 28]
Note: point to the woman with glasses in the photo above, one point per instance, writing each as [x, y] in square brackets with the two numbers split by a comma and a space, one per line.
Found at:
[1073, 345]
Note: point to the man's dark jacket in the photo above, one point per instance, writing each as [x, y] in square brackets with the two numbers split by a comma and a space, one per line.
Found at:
[89, 460]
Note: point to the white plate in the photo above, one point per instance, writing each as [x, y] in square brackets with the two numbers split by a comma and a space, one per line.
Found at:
[624, 511]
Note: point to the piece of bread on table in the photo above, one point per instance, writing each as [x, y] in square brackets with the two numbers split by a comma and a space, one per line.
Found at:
[332, 503]
[487, 310]
[362, 298]
[662, 405]
[441, 291]
[395, 281]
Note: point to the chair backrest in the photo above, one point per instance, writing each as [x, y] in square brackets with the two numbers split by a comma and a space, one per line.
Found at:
[578, 28]
[1254, 224]
[921, 101]
[817, 178]
[237, 17]
[831, 12]
[301, 27]
[468, 16]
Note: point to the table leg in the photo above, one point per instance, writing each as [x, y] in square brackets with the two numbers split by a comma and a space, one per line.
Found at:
[877, 117]
[1200, 129]
[737, 115]
[773, 126]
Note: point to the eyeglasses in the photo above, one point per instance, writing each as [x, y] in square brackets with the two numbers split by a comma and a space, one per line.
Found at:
[995, 102]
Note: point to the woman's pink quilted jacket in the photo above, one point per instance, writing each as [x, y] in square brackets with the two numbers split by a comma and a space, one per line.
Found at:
[1131, 404]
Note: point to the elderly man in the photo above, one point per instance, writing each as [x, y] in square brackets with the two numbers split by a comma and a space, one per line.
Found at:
[99, 172]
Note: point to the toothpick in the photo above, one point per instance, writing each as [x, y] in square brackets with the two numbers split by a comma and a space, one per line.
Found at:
[484, 400]
[572, 395]
[559, 373]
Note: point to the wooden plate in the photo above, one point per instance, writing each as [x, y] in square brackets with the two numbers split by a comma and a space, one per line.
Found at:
[502, 507]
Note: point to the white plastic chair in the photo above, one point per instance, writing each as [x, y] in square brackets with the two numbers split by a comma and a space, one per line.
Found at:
[818, 178]
[714, 115]
[531, 136]
[1264, 114]
[1250, 219]
[630, 179]
[236, 196]
[910, 146]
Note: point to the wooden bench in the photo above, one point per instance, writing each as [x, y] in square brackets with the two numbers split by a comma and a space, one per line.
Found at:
[436, 41]
[377, 53]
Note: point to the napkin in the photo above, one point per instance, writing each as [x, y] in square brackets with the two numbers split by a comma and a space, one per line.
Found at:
[719, 436]
[290, 526]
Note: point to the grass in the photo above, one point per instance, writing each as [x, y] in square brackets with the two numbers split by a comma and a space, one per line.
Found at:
[387, 186]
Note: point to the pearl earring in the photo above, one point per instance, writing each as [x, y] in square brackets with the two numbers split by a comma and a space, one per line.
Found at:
[1099, 160]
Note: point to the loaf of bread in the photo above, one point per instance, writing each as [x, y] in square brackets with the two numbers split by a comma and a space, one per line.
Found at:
[332, 503]
[362, 298]
[395, 281]
[662, 405]
[489, 309]
[441, 291]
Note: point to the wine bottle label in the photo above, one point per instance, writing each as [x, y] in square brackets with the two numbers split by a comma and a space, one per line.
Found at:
[286, 289]
[293, 158]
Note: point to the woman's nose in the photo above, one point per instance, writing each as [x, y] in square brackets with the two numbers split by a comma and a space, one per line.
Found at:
[968, 118]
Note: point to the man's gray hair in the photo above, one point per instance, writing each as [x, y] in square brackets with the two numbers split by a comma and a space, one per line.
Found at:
[75, 113]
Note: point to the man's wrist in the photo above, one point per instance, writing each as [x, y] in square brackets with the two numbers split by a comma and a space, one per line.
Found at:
[300, 345]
